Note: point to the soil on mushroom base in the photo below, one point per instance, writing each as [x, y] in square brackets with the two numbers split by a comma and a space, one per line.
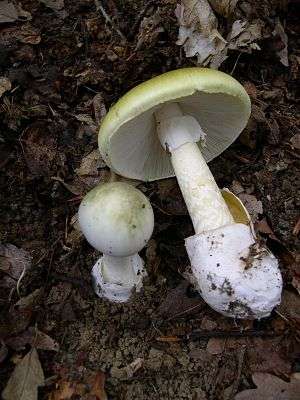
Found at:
[81, 56]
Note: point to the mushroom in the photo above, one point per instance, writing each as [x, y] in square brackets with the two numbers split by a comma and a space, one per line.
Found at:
[174, 124]
[117, 219]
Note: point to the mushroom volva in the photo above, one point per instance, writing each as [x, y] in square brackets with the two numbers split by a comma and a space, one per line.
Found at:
[174, 124]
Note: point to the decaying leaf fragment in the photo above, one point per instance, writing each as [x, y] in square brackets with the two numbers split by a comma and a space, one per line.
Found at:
[199, 34]
[269, 387]
[27, 376]
[282, 52]
[198, 30]
[55, 5]
[5, 85]
[10, 12]
[14, 263]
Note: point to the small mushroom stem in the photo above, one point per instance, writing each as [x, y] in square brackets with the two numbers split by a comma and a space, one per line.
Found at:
[178, 133]
[120, 270]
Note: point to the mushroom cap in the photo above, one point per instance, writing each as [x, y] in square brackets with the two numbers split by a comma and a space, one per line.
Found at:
[128, 140]
[116, 219]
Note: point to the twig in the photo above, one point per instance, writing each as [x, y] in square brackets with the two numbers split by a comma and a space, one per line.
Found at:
[99, 7]
[236, 382]
[226, 334]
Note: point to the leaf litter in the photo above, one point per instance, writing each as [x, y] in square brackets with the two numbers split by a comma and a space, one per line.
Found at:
[26, 378]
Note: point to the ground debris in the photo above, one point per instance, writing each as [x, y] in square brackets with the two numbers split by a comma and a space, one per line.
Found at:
[27, 376]
[90, 387]
[35, 338]
[270, 387]
[11, 12]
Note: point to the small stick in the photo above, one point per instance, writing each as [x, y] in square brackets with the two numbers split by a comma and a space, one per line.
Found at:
[99, 7]
[225, 334]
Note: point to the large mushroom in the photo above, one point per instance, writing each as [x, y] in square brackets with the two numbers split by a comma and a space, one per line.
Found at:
[117, 219]
[174, 124]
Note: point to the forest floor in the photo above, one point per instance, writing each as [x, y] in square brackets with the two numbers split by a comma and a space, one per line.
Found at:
[63, 67]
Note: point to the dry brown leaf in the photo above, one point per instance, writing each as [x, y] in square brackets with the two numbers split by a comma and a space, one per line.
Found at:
[128, 371]
[295, 141]
[35, 338]
[99, 108]
[40, 149]
[290, 305]
[14, 263]
[10, 12]
[3, 351]
[223, 7]
[5, 85]
[55, 5]
[270, 387]
[90, 164]
[27, 376]
[92, 388]
[178, 303]
[266, 355]
[215, 346]
[253, 205]
[198, 32]
[150, 28]
[282, 53]
[199, 35]
[28, 34]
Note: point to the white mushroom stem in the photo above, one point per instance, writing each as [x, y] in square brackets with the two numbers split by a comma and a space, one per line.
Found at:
[121, 269]
[234, 273]
[178, 134]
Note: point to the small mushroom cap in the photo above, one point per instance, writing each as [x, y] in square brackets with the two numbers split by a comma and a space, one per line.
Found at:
[128, 139]
[116, 219]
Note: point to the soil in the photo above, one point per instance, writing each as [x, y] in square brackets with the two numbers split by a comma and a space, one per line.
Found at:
[43, 141]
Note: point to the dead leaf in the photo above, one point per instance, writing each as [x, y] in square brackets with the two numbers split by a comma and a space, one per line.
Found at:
[290, 306]
[5, 85]
[99, 108]
[28, 34]
[215, 346]
[266, 355]
[55, 5]
[128, 371]
[254, 206]
[10, 12]
[14, 263]
[262, 226]
[198, 32]
[282, 52]
[25, 379]
[295, 141]
[30, 300]
[3, 351]
[35, 338]
[90, 164]
[91, 388]
[270, 387]
[223, 7]
[97, 381]
[178, 303]
[199, 35]
[150, 28]
[40, 149]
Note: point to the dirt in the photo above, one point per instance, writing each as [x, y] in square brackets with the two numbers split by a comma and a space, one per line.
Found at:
[43, 141]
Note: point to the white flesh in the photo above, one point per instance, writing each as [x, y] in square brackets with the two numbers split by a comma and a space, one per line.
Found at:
[204, 201]
[115, 277]
[235, 275]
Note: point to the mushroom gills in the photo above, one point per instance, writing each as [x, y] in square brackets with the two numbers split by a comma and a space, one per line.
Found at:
[179, 135]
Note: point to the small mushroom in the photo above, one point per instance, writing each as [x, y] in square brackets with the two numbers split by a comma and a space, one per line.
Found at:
[174, 124]
[117, 219]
